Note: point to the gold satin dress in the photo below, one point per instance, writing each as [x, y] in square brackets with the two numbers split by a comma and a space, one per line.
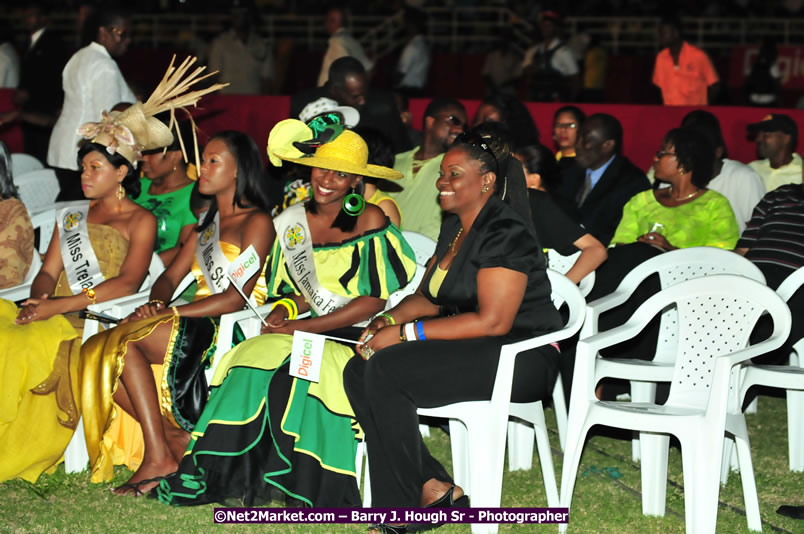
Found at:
[39, 404]
[114, 437]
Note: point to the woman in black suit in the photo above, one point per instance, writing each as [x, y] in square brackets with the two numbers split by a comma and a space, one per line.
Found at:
[485, 286]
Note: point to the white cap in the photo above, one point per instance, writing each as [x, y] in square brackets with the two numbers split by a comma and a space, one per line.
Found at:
[351, 117]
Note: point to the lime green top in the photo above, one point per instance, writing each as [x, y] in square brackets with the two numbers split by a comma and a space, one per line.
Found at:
[707, 221]
[172, 212]
[376, 264]
[418, 199]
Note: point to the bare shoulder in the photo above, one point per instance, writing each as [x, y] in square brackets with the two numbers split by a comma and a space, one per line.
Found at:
[258, 221]
[372, 218]
[140, 215]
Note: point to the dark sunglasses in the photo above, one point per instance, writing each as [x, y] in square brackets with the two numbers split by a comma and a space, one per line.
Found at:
[661, 153]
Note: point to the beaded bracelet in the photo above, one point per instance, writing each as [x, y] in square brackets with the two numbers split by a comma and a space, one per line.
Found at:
[420, 331]
[158, 303]
[384, 315]
[289, 305]
[402, 333]
[90, 293]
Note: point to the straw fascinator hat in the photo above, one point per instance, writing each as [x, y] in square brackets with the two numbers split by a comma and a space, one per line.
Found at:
[345, 153]
[130, 132]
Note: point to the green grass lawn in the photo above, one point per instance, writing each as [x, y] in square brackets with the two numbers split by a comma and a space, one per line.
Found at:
[70, 503]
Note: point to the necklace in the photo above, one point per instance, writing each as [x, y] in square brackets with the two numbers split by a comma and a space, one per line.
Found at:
[686, 197]
[455, 241]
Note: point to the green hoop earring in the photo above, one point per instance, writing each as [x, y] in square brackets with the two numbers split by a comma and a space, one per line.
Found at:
[353, 204]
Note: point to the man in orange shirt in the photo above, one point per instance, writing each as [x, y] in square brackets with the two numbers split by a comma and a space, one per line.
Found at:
[683, 72]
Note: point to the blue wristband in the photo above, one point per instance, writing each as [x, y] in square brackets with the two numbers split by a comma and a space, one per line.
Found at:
[420, 331]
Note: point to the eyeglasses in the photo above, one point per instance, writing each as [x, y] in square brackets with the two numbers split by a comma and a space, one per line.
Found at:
[565, 125]
[473, 139]
[660, 154]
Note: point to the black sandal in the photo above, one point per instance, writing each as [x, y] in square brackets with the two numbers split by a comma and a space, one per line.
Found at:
[448, 500]
[135, 486]
[382, 528]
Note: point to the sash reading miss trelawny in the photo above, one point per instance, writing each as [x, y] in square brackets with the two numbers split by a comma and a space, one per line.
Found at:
[80, 262]
[297, 246]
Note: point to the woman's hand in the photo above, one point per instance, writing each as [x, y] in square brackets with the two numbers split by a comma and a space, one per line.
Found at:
[151, 309]
[38, 310]
[374, 326]
[654, 238]
[384, 337]
[284, 327]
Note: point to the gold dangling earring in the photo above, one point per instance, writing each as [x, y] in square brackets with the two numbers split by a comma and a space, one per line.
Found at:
[120, 194]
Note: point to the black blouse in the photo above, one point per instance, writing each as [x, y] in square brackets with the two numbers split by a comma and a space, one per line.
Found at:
[498, 238]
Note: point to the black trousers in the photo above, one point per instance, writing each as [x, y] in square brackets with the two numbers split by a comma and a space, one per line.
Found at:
[386, 390]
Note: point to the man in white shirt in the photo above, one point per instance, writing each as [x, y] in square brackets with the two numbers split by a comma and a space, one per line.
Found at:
[776, 138]
[550, 69]
[92, 84]
[341, 44]
[414, 61]
[243, 58]
[734, 180]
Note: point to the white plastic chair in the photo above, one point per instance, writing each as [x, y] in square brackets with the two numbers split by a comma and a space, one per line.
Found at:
[716, 315]
[520, 436]
[422, 246]
[23, 291]
[478, 428]
[672, 267]
[24, 163]
[38, 189]
[76, 455]
[563, 264]
[789, 377]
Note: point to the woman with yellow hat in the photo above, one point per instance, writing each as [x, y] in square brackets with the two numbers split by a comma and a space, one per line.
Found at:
[338, 258]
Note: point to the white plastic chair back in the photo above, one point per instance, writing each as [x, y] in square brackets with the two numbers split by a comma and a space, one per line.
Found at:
[714, 323]
[45, 222]
[563, 264]
[682, 265]
[38, 189]
[24, 163]
[422, 246]
[23, 291]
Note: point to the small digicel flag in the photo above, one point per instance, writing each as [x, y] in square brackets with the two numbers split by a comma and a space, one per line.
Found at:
[244, 267]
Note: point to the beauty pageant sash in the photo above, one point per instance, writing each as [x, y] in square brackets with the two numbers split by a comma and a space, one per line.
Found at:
[210, 256]
[80, 262]
[297, 246]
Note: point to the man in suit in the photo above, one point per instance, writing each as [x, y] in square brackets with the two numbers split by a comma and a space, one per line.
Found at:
[348, 85]
[39, 95]
[594, 194]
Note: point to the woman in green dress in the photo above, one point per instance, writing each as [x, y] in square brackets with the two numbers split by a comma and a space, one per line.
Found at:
[264, 433]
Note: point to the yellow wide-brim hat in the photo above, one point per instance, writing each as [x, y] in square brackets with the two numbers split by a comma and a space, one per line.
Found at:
[346, 153]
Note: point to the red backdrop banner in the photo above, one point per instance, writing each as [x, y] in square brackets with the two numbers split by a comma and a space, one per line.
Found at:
[643, 126]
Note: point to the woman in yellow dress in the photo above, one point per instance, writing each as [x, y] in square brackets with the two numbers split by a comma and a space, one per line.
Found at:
[117, 362]
[105, 248]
